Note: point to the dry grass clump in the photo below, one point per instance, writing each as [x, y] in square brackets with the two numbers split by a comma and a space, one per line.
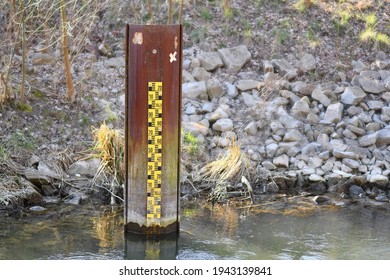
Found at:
[230, 167]
[110, 148]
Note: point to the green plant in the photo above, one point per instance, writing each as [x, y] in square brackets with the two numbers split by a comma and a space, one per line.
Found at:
[281, 35]
[111, 116]
[3, 154]
[206, 14]
[341, 19]
[199, 34]
[311, 35]
[190, 143]
[371, 33]
[247, 27]
[25, 107]
[19, 140]
[303, 5]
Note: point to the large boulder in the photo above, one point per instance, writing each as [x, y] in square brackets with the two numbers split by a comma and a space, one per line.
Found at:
[194, 90]
[284, 69]
[210, 60]
[371, 86]
[307, 63]
[334, 113]
[352, 95]
[383, 137]
[223, 125]
[235, 58]
[86, 168]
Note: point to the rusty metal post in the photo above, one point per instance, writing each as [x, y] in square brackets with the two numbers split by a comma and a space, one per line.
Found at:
[152, 128]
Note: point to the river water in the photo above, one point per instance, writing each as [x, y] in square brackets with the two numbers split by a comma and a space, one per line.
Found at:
[207, 232]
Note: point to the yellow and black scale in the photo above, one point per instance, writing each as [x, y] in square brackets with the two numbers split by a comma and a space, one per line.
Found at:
[154, 180]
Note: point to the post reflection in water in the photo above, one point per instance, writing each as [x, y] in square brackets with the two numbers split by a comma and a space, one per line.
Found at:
[151, 247]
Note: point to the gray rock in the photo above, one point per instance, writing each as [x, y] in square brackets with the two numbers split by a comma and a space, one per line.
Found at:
[300, 109]
[287, 120]
[379, 180]
[232, 91]
[352, 95]
[285, 69]
[190, 110]
[371, 86]
[207, 107]
[271, 188]
[382, 198]
[248, 99]
[194, 90]
[105, 50]
[311, 149]
[268, 67]
[43, 59]
[86, 168]
[343, 154]
[222, 112]
[356, 130]
[281, 161]
[36, 177]
[271, 149]
[195, 128]
[195, 62]
[290, 96]
[235, 58]
[385, 116]
[298, 86]
[37, 209]
[375, 105]
[359, 66]
[200, 74]
[293, 135]
[187, 77]
[383, 137]
[355, 190]
[319, 95]
[251, 128]
[385, 74]
[307, 63]
[245, 85]
[316, 178]
[223, 125]
[210, 60]
[74, 199]
[368, 74]
[115, 62]
[368, 140]
[353, 164]
[315, 162]
[334, 113]
[214, 89]
[313, 119]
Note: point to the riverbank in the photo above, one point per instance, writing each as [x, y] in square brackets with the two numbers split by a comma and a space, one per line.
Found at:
[304, 119]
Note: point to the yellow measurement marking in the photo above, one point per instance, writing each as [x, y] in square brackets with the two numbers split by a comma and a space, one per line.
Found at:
[153, 203]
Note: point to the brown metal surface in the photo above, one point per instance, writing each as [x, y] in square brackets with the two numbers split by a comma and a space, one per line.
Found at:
[153, 54]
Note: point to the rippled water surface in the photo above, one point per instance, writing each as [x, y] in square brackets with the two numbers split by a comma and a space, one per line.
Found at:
[207, 232]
